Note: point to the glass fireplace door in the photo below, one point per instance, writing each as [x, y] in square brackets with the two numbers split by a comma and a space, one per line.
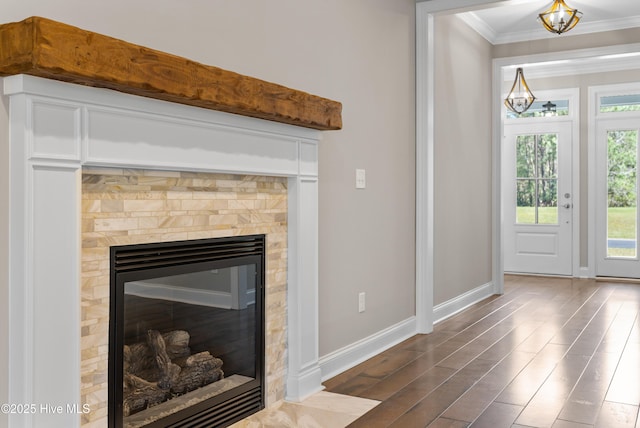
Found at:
[186, 337]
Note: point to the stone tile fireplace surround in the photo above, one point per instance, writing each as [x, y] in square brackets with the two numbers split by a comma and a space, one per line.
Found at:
[57, 130]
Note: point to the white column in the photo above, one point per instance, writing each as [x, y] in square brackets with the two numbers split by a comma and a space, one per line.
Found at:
[44, 264]
[304, 376]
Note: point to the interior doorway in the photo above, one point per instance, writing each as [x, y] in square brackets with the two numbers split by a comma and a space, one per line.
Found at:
[620, 56]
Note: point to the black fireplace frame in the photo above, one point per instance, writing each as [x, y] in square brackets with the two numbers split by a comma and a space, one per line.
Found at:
[143, 261]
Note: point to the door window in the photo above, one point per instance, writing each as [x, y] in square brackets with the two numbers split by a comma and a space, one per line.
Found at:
[537, 179]
[544, 108]
[620, 103]
[622, 191]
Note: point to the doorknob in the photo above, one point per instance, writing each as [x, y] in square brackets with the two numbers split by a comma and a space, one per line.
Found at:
[567, 205]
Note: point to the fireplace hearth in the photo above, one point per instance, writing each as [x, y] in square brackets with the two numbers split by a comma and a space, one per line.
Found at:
[186, 333]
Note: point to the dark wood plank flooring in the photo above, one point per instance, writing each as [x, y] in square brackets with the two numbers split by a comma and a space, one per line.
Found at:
[550, 352]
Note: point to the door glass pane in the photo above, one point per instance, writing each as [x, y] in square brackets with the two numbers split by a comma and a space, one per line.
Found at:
[548, 156]
[526, 202]
[537, 179]
[622, 210]
[543, 108]
[525, 156]
[620, 103]
[547, 201]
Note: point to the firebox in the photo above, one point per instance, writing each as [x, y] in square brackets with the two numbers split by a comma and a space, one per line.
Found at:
[186, 332]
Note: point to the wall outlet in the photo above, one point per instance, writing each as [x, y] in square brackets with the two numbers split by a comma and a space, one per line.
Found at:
[361, 302]
[361, 179]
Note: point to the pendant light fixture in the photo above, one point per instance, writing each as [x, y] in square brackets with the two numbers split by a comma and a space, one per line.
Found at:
[520, 97]
[559, 18]
[549, 109]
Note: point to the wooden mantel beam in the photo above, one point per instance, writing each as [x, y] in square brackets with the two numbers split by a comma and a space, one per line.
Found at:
[50, 49]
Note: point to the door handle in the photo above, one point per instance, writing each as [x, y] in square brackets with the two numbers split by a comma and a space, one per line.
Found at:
[567, 205]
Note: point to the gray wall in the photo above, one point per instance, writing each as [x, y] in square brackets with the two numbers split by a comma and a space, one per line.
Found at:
[359, 52]
[463, 160]
[367, 237]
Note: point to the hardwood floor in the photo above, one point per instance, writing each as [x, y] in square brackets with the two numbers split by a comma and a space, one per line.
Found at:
[560, 353]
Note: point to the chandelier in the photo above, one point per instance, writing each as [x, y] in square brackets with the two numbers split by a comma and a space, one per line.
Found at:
[520, 97]
[559, 18]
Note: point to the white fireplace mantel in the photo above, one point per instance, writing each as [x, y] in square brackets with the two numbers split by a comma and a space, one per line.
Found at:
[56, 129]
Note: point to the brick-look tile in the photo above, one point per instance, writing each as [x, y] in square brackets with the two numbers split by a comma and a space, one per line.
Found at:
[122, 206]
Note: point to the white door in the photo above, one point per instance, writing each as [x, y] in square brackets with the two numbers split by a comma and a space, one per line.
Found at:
[537, 197]
[617, 218]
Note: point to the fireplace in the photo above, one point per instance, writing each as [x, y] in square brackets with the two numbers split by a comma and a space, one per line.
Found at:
[64, 139]
[141, 109]
[186, 342]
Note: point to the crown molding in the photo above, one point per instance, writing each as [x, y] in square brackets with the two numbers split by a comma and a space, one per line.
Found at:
[495, 38]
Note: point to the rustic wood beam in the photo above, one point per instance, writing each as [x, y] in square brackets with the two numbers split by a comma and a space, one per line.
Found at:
[50, 49]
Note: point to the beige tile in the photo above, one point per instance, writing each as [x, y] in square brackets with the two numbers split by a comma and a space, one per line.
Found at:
[136, 206]
[148, 222]
[158, 183]
[144, 205]
[322, 410]
[90, 206]
[155, 173]
[354, 406]
[116, 224]
[198, 205]
[111, 205]
[233, 184]
[174, 194]
[242, 204]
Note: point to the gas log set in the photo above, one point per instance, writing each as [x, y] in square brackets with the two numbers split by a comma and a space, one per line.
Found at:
[163, 368]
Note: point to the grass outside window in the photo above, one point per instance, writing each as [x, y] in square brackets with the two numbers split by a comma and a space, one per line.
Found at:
[546, 215]
[622, 225]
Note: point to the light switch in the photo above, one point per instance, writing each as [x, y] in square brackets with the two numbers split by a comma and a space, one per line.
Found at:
[361, 179]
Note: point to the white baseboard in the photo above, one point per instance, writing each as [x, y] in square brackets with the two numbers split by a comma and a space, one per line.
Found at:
[343, 359]
[463, 301]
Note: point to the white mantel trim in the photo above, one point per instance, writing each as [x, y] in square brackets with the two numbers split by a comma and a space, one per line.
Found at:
[57, 128]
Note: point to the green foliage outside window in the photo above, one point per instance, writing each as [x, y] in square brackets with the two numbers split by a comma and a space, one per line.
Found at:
[619, 108]
[537, 177]
[622, 168]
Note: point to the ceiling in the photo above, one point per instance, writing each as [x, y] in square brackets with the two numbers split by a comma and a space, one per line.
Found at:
[516, 20]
